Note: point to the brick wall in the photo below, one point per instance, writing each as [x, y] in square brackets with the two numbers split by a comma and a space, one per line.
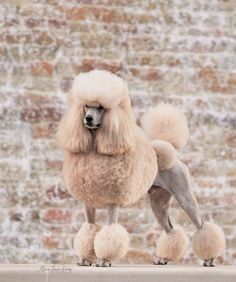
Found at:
[179, 51]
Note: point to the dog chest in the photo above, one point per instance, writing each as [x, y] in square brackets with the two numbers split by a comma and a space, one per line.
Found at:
[98, 180]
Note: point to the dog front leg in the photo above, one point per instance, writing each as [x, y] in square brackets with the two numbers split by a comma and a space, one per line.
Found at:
[84, 239]
[112, 241]
[113, 211]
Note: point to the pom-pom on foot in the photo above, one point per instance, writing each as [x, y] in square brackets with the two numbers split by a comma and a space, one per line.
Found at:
[209, 243]
[160, 261]
[103, 263]
[111, 243]
[209, 262]
[171, 246]
[84, 262]
[84, 243]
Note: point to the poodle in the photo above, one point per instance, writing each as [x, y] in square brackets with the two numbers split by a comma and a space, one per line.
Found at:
[110, 163]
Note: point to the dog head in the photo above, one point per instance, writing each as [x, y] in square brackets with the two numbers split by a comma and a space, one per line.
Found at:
[98, 115]
[93, 116]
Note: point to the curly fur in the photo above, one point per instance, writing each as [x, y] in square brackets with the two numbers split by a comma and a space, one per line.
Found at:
[84, 241]
[111, 242]
[166, 154]
[115, 136]
[173, 245]
[115, 164]
[166, 123]
[72, 134]
[209, 241]
[102, 87]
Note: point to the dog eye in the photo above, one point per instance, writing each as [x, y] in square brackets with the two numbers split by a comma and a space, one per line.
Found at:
[100, 107]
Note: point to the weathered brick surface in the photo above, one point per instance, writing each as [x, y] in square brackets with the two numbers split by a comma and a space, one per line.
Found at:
[183, 52]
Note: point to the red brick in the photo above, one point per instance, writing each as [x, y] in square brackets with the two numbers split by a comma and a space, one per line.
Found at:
[40, 114]
[50, 242]
[11, 38]
[231, 139]
[43, 130]
[212, 81]
[232, 78]
[56, 215]
[17, 38]
[54, 164]
[32, 22]
[44, 38]
[98, 13]
[96, 63]
[56, 229]
[149, 74]
[42, 68]
[55, 23]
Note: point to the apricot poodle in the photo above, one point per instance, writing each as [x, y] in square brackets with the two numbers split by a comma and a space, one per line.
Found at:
[111, 163]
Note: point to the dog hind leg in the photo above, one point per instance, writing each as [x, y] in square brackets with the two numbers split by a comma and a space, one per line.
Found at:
[173, 242]
[188, 202]
[208, 242]
[160, 202]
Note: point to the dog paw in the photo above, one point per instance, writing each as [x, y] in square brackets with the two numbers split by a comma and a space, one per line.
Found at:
[160, 261]
[209, 262]
[84, 262]
[103, 263]
[111, 242]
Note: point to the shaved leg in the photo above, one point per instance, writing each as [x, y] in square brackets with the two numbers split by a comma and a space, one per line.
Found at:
[188, 202]
[160, 202]
[177, 181]
[112, 219]
[90, 214]
[113, 211]
[90, 218]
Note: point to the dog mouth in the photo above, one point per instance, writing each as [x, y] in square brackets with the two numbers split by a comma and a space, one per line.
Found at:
[92, 126]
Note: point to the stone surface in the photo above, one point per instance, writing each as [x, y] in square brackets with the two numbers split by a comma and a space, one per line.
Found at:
[182, 52]
[60, 272]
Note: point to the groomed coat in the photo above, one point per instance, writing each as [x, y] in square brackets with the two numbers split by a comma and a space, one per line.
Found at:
[115, 164]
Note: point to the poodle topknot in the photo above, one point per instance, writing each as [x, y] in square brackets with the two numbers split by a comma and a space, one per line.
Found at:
[99, 86]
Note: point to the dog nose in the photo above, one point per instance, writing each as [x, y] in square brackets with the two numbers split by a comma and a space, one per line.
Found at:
[89, 118]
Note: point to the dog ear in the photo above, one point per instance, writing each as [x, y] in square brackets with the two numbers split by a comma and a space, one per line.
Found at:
[115, 136]
[72, 134]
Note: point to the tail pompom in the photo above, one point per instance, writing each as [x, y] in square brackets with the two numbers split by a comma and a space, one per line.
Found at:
[165, 122]
[166, 154]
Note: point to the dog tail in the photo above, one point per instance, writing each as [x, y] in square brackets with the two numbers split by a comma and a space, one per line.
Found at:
[164, 122]
[168, 130]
